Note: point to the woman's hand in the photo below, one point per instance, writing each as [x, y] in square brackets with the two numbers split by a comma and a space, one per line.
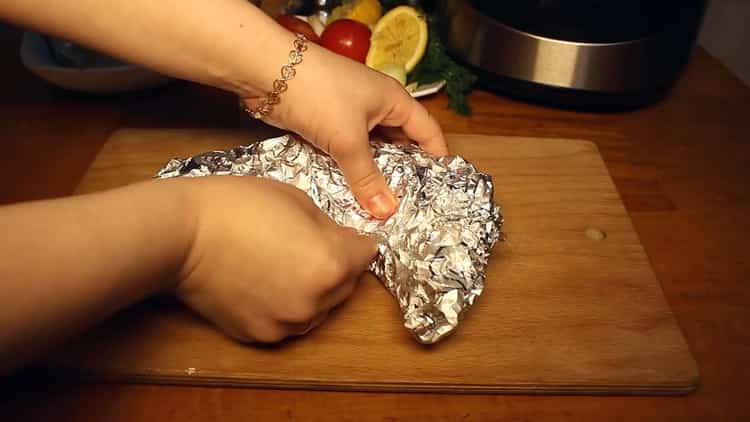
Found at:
[334, 102]
[254, 256]
[265, 262]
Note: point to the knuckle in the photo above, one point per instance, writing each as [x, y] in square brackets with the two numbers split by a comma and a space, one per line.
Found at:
[333, 269]
[346, 290]
[243, 330]
[259, 330]
[368, 181]
[243, 336]
[298, 314]
[329, 271]
[271, 334]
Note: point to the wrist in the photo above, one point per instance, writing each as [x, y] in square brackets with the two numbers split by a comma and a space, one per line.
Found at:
[185, 199]
[265, 51]
[313, 77]
[167, 213]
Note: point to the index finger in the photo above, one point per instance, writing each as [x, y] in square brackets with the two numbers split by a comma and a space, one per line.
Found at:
[417, 123]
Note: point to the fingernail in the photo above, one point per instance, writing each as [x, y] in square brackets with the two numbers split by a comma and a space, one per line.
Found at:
[382, 205]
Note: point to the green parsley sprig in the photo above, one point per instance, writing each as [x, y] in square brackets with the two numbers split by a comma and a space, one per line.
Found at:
[437, 65]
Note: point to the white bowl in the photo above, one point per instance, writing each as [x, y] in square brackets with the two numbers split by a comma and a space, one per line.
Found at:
[37, 58]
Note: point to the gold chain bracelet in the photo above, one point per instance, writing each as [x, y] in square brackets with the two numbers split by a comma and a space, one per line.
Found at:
[280, 85]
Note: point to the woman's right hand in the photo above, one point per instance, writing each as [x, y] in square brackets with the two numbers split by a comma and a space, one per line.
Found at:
[334, 102]
[265, 263]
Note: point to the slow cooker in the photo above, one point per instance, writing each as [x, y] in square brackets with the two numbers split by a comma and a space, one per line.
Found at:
[585, 54]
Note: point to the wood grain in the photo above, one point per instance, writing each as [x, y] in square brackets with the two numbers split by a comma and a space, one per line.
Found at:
[563, 311]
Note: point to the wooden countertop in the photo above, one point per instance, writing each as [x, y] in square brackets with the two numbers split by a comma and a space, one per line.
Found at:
[682, 168]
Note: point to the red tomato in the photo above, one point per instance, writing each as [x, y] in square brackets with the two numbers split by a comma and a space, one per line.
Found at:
[348, 38]
[298, 26]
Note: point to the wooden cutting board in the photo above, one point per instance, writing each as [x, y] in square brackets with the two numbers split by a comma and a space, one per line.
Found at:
[571, 304]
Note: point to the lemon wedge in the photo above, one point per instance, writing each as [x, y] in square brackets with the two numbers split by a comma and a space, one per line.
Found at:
[395, 71]
[400, 36]
[365, 11]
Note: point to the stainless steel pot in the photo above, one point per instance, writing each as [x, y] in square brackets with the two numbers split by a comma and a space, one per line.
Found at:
[585, 54]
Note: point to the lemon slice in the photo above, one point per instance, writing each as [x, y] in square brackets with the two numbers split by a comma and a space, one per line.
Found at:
[366, 11]
[395, 71]
[399, 37]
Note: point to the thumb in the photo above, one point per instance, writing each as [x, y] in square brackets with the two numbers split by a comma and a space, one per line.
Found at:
[365, 179]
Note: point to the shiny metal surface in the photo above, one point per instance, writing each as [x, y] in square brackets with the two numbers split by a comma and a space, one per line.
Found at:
[628, 66]
[432, 253]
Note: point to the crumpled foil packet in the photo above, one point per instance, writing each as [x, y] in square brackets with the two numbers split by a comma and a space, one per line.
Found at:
[432, 252]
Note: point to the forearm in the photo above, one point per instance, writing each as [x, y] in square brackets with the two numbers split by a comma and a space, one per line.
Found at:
[229, 44]
[68, 263]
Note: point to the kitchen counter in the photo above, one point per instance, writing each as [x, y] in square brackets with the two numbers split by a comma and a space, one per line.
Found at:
[682, 168]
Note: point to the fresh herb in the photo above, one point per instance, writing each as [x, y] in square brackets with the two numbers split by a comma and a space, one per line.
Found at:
[437, 64]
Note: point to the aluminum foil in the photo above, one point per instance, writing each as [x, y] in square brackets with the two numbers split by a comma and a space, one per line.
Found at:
[432, 252]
